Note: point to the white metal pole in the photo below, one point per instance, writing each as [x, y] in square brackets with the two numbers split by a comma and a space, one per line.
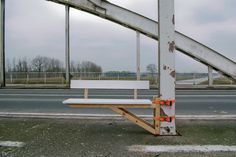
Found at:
[67, 46]
[2, 43]
[138, 73]
[210, 76]
[138, 55]
[166, 18]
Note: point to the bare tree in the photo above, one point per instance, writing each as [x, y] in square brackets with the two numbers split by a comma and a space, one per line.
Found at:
[73, 66]
[53, 65]
[152, 69]
[46, 64]
[88, 66]
[9, 67]
[38, 64]
[22, 65]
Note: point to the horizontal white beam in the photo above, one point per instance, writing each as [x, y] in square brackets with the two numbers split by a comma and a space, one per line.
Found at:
[109, 84]
[148, 27]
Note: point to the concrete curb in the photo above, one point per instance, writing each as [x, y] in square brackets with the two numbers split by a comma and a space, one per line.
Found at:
[107, 116]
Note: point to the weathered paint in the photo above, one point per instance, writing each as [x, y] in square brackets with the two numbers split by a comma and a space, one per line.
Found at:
[171, 46]
[167, 61]
[173, 20]
[173, 74]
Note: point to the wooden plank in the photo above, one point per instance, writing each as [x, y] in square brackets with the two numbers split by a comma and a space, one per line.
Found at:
[156, 122]
[109, 84]
[109, 106]
[133, 118]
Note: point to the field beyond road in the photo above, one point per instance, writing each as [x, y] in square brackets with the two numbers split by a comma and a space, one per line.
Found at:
[107, 138]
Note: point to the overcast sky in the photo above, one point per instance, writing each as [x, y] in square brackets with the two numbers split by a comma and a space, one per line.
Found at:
[36, 27]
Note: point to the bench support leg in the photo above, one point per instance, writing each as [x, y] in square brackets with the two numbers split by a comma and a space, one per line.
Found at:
[133, 118]
[156, 122]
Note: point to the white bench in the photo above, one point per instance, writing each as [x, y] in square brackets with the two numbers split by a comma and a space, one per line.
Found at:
[117, 105]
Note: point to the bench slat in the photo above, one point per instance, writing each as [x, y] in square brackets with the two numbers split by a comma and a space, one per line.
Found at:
[109, 84]
[108, 101]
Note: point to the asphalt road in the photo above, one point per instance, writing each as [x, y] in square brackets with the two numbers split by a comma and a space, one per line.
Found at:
[189, 102]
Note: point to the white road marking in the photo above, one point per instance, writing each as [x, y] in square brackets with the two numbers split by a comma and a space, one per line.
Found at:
[11, 144]
[181, 148]
[109, 116]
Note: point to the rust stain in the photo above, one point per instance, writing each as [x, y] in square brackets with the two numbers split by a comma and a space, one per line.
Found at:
[164, 67]
[163, 113]
[173, 20]
[173, 74]
[171, 46]
[167, 129]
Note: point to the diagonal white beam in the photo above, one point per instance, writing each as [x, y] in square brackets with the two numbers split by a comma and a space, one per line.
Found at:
[148, 27]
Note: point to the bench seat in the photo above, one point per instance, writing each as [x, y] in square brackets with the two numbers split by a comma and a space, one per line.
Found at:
[124, 103]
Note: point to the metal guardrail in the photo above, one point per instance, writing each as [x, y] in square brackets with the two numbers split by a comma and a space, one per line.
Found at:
[59, 77]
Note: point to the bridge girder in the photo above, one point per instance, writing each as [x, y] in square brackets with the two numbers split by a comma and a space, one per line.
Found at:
[148, 27]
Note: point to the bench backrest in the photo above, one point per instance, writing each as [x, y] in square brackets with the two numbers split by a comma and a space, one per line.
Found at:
[109, 84]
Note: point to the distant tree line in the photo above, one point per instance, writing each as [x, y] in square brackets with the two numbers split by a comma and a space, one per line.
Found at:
[47, 64]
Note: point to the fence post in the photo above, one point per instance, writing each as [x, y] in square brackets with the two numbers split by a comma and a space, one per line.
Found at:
[45, 78]
[11, 78]
[62, 80]
[27, 78]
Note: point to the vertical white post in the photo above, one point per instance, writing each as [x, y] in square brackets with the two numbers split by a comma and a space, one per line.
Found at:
[2, 43]
[138, 55]
[210, 76]
[67, 46]
[27, 78]
[45, 78]
[166, 18]
[138, 73]
[85, 93]
[11, 78]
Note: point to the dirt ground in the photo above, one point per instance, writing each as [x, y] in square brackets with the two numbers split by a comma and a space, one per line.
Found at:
[107, 138]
